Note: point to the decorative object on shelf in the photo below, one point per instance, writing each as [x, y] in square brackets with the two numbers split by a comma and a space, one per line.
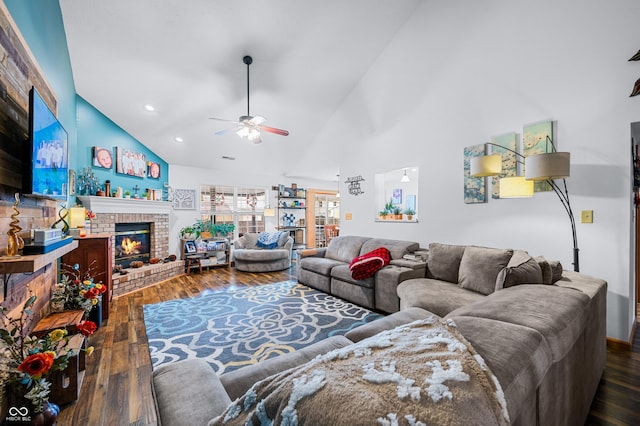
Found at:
[546, 167]
[288, 220]
[409, 213]
[88, 183]
[354, 185]
[62, 214]
[73, 182]
[15, 242]
[184, 199]
[474, 187]
[77, 290]
[29, 361]
[136, 264]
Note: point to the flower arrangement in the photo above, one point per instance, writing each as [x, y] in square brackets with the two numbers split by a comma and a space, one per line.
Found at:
[77, 290]
[26, 361]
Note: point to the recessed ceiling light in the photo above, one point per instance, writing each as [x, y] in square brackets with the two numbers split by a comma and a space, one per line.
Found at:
[149, 108]
[178, 139]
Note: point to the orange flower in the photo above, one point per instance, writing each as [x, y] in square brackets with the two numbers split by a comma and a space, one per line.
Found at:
[37, 364]
[87, 328]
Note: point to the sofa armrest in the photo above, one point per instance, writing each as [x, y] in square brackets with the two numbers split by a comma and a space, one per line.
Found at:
[239, 243]
[289, 244]
[387, 280]
[411, 264]
[313, 252]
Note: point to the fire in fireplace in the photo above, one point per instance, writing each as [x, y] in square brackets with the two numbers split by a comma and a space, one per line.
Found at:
[133, 242]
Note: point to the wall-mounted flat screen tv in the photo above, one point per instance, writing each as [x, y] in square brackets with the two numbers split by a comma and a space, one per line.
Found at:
[49, 150]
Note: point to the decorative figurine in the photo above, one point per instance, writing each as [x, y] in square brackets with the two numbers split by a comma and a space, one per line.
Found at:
[15, 242]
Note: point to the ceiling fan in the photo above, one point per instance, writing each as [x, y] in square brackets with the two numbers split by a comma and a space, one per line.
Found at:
[247, 125]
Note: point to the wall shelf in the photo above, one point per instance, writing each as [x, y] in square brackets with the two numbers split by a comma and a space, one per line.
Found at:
[33, 262]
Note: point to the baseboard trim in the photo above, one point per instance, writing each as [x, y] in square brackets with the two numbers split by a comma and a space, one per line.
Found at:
[618, 345]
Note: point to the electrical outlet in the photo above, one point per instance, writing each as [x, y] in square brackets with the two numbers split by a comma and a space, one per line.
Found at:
[587, 216]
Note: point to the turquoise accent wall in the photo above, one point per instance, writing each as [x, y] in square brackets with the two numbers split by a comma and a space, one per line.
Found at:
[40, 22]
[95, 129]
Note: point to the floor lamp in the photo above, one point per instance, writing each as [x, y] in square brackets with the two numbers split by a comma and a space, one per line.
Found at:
[538, 167]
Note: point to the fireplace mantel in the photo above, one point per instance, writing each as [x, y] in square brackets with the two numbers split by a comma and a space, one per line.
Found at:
[124, 205]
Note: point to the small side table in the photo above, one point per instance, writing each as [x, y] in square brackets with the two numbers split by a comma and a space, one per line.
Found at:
[193, 260]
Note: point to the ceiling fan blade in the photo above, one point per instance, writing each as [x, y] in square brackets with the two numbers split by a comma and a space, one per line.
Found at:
[274, 130]
[257, 120]
[225, 131]
[222, 119]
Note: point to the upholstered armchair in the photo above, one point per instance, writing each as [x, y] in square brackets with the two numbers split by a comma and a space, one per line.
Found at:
[250, 254]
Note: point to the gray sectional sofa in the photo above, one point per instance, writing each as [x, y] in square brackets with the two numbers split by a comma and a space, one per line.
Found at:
[327, 269]
[540, 330]
[249, 257]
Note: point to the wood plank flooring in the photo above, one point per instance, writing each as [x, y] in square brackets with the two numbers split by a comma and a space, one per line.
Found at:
[117, 390]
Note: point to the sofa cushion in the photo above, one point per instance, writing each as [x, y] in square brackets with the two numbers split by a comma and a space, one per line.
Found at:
[237, 382]
[366, 265]
[387, 323]
[444, 262]
[345, 248]
[188, 392]
[397, 248]
[556, 270]
[521, 269]
[249, 240]
[257, 255]
[557, 313]
[343, 273]
[319, 265]
[545, 268]
[480, 266]
[518, 356]
[435, 296]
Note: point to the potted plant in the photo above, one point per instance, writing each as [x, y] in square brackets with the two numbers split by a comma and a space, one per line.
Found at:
[223, 229]
[397, 213]
[189, 233]
[127, 194]
[383, 214]
[409, 213]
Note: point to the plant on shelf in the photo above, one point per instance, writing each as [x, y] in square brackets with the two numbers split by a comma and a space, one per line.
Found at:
[189, 233]
[397, 213]
[409, 213]
[28, 361]
[383, 214]
[223, 229]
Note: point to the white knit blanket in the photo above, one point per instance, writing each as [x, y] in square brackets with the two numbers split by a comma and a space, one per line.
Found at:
[423, 373]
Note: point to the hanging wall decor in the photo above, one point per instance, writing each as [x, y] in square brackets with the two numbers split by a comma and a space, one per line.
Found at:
[354, 185]
[636, 86]
[474, 187]
[184, 199]
[535, 140]
[509, 161]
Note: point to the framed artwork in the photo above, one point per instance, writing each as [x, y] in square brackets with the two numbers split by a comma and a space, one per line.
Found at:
[190, 247]
[153, 170]
[534, 141]
[102, 157]
[184, 199]
[72, 182]
[474, 187]
[396, 197]
[509, 159]
[130, 163]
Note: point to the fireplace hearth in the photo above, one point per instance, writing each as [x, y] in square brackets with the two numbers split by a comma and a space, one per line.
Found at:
[132, 243]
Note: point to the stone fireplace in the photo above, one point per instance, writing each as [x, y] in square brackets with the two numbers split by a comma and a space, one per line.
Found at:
[135, 214]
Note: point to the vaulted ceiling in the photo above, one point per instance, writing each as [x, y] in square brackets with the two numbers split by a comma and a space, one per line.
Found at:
[185, 59]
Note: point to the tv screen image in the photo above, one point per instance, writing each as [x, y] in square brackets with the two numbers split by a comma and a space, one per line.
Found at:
[49, 150]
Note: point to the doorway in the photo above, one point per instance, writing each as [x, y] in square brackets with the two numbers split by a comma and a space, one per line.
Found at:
[323, 217]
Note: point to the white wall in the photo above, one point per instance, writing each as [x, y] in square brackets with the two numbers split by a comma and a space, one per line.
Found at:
[460, 72]
[191, 178]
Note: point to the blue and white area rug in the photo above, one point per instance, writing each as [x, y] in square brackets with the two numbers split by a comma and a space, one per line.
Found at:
[242, 326]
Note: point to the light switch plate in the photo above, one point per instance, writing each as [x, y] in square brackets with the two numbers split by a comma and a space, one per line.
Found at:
[348, 216]
[587, 216]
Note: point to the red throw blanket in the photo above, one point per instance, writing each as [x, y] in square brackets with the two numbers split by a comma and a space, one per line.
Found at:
[366, 265]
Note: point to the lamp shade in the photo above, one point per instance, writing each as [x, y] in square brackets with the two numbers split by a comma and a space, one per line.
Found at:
[552, 165]
[515, 187]
[269, 212]
[485, 165]
[76, 217]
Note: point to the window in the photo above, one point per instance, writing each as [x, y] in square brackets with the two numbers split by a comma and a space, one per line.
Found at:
[244, 207]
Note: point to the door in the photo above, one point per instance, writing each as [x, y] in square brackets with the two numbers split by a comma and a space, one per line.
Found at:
[323, 208]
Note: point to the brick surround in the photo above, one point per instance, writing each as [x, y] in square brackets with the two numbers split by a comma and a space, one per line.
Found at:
[110, 211]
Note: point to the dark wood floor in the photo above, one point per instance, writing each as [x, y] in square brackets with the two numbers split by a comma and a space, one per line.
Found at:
[117, 391]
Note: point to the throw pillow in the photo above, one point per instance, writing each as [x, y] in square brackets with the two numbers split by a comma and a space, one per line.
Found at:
[480, 266]
[368, 264]
[444, 261]
[521, 269]
[556, 270]
[547, 274]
